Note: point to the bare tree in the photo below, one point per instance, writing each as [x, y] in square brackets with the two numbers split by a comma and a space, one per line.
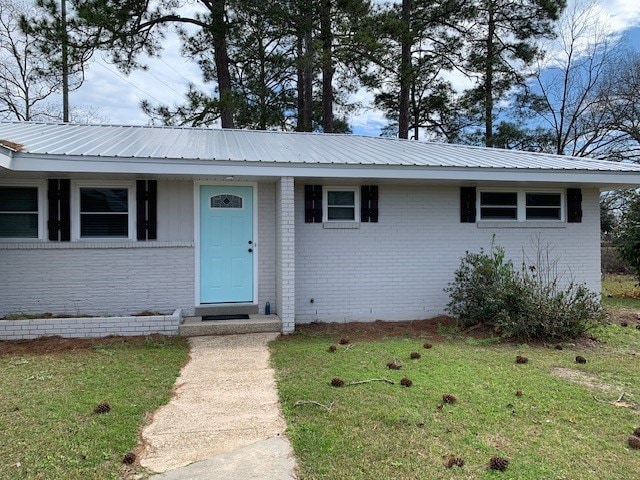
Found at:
[568, 85]
[25, 87]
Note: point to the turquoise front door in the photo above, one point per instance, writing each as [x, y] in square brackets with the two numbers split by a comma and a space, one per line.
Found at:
[226, 244]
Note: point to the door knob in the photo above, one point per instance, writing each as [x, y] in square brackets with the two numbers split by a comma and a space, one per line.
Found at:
[250, 250]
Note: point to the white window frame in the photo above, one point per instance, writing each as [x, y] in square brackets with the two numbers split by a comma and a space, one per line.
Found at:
[75, 209]
[522, 204]
[41, 186]
[325, 203]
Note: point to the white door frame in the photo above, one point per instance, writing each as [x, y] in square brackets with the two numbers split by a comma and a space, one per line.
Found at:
[196, 236]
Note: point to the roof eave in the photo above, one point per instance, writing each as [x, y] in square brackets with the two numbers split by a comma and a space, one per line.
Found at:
[27, 162]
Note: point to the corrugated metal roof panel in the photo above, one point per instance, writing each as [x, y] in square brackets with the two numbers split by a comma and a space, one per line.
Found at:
[276, 147]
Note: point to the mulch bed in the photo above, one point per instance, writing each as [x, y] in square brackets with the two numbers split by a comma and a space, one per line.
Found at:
[377, 330]
[58, 344]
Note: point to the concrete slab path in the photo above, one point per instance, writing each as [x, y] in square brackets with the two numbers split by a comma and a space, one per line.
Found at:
[225, 399]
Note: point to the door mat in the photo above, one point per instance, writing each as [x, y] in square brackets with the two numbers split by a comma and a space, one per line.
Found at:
[241, 316]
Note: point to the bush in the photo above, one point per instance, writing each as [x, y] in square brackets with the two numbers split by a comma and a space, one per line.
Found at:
[628, 241]
[525, 305]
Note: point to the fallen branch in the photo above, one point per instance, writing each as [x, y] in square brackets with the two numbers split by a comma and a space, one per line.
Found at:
[620, 397]
[348, 347]
[598, 400]
[313, 402]
[369, 381]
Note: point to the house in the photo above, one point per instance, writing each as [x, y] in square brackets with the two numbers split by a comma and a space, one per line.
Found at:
[104, 220]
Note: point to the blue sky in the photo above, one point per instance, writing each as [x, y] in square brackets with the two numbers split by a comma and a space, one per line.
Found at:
[114, 97]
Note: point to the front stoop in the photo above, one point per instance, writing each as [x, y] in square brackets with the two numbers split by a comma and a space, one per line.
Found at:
[194, 326]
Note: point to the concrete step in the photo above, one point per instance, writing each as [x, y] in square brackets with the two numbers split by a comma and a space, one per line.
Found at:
[194, 326]
[227, 309]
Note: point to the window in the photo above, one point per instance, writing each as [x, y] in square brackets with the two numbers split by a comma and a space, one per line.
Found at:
[19, 217]
[104, 212]
[225, 200]
[341, 205]
[498, 206]
[544, 206]
[521, 206]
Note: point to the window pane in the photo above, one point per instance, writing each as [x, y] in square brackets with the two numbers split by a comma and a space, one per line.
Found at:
[18, 199]
[497, 213]
[19, 225]
[498, 198]
[543, 199]
[104, 225]
[341, 213]
[543, 213]
[103, 199]
[341, 198]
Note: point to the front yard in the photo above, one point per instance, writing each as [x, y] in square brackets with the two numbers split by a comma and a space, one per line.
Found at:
[550, 417]
[48, 392]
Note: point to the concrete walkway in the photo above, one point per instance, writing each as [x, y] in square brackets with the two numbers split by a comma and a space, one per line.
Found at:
[225, 412]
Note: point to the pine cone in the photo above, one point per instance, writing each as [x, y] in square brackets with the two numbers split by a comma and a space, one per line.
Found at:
[405, 382]
[636, 432]
[448, 398]
[427, 346]
[519, 393]
[559, 346]
[521, 359]
[415, 355]
[332, 348]
[129, 458]
[344, 341]
[581, 359]
[624, 324]
[498, 463]
[393, 366]
[337, 382]
[102, 408]
[634, 442]
[455, 462]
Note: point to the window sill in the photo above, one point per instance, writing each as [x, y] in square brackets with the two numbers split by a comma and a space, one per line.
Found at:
[90, 246]
[527, 224]
[341, 225]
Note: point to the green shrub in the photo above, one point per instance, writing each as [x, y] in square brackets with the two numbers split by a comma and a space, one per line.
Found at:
[525, 305]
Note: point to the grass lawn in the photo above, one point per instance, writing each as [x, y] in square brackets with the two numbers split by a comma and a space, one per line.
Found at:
[564, 426]
[47, 395]
[620, 291]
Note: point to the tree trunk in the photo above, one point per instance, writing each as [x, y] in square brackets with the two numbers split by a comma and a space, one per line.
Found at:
[488, 79]
[405, 70]
[300, 127]
[64, 40]
[307, 112]
[327, 66]
[219, 35]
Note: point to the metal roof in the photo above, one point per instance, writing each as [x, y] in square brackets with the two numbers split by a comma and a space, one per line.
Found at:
[179, 143]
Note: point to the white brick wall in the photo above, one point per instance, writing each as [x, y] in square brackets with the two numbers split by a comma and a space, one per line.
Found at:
[285, 253]
[397, 269]
[96, 281]
[267, 246]
[89, 327]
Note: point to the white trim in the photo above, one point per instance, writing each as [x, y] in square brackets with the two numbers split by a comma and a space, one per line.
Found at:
[521, 211]
[196, 236]
[43, 214]
[122, 165]
[76, 185]
[325, 203]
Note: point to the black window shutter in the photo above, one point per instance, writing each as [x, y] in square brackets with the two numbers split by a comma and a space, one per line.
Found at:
[65, 210]
[146, 209]
[369, 203]
[467, 204]
[313, 203]
[574, 205]
[59, 207]
[52, 199]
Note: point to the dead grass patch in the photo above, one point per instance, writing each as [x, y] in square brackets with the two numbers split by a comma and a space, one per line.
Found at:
[585, 379]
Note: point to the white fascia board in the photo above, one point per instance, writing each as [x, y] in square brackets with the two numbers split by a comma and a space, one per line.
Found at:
[56, 163]
[5, 158]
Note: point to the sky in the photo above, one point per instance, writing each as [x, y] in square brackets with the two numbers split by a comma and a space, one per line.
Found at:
[114, 97]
